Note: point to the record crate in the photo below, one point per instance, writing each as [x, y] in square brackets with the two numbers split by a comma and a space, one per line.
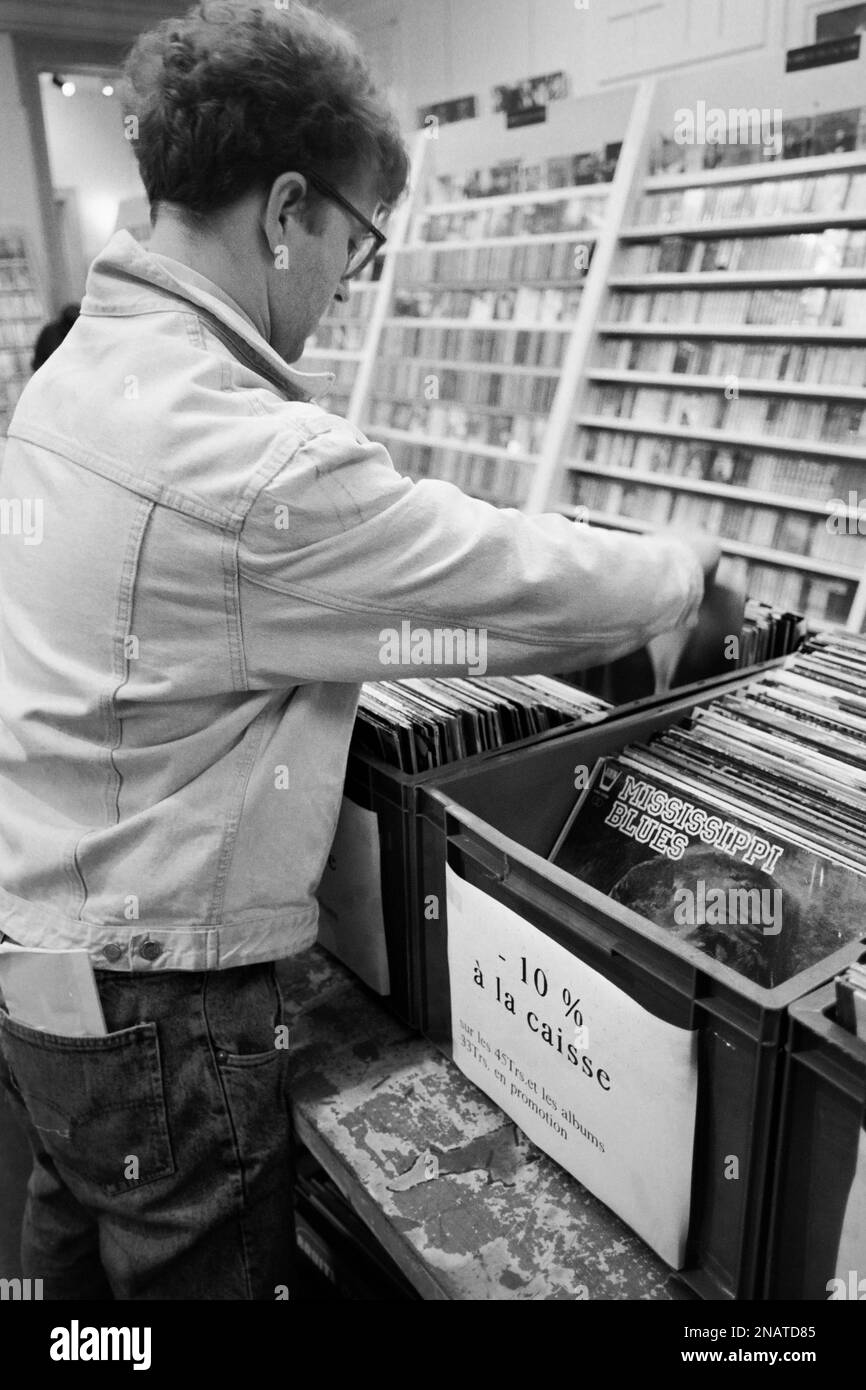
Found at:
[385, 897]
[820, 1135]
[493, 827]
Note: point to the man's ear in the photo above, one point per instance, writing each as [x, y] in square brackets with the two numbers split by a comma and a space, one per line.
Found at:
[283, 207]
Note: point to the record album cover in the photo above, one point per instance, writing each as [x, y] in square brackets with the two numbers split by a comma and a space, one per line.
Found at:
[764, 902]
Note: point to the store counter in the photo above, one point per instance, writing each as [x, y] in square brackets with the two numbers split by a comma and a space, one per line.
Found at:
[460, 1201]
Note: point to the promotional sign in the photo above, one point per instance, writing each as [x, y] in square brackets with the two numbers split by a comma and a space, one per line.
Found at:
[600, 1084]
[819, 55]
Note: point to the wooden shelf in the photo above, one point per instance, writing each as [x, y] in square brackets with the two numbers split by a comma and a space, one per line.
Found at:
[496, 242]
[760, 225]
[796, 333]
[493, 368]
[736, 279]
[757, 173]
[464, 446]
[725, 492]
[784, 559]
[500, 325]
[479, 286]
[596, 192]
[761, 553]
[377, 394]
[766, 443]
[746, 387]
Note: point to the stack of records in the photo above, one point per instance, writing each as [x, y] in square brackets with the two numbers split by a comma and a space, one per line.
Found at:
[416, 725]
[743, 829]
[768, 633]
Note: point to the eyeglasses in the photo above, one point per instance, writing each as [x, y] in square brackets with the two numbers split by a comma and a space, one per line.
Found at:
[369, 245]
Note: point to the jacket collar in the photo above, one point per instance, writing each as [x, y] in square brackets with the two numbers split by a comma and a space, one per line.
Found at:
[126, 279]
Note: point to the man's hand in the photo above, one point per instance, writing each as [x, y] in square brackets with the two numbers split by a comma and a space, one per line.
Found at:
[696, 644]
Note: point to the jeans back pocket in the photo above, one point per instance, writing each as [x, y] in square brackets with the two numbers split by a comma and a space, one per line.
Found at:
[97, 1103]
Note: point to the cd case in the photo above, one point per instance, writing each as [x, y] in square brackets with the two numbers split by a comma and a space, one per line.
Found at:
[52, 991]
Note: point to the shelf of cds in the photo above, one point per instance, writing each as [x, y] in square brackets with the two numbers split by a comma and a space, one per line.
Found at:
[340, 340]
[22, 313]
[683, 347]
[726, 386]
[346, 342]
[471, 354]
[488, 288]
[458, 349]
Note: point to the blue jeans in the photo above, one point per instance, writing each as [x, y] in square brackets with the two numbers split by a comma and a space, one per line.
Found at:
[162, 1151]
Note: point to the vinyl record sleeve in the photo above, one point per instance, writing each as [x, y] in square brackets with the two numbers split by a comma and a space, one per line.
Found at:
[780, 795]
[669, 855]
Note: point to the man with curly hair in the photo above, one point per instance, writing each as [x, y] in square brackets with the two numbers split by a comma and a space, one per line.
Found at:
[182, 652]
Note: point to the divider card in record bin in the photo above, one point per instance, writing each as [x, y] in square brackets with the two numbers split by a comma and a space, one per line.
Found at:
[588, 1074]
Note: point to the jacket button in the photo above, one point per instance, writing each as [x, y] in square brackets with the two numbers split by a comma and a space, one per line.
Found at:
[150, 950]
[112, 951]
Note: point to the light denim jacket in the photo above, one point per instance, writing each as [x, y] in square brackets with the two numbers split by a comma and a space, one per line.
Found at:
[197, 567]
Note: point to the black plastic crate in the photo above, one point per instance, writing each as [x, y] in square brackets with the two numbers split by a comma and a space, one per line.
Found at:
[819, 1135]
[340, 1257]
[495, 826]
[393, 797]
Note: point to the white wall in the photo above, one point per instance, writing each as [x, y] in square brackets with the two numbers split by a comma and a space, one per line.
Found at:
[430, 50]
[88, 153]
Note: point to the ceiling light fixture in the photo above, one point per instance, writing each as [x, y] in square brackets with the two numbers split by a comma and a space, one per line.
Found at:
[68, 89]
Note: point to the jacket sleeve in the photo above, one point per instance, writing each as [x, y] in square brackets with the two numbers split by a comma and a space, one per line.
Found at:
[347, 571]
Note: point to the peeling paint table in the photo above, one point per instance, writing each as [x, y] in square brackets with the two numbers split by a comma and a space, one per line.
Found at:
[460, 1200]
